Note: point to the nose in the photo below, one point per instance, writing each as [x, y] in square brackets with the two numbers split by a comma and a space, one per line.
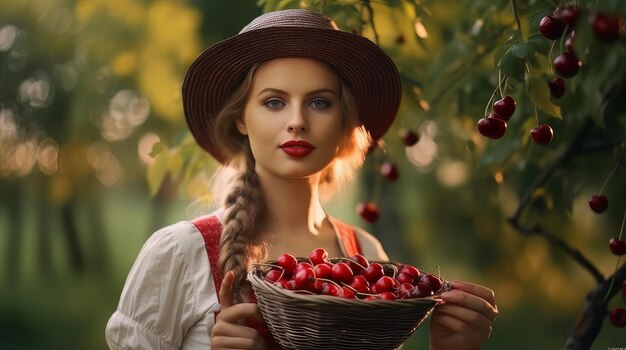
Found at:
[297, 123]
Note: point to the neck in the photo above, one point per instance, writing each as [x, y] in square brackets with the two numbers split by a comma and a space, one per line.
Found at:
[291, 205]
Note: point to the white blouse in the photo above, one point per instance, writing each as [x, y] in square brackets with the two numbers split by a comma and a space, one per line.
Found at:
[169, 298]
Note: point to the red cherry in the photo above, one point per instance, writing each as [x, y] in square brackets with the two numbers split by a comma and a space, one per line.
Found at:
[432, 281]
[317, 286]
[421, 290]
[599, 203]
[341, 272]
[569, 43]
[618, 317]
[404, 277]
[303, 278]
[567, 64]
[617, 246]
[288, 262]
[607, 28]
[323, 271]
[409, 137]
[374, 272]
[389, 171]
[490, 127]
[410, 269]
[286, 284]
[360, 284]
[557, 87]
[569, 15]
[368, 211]
[347, 293]
[387, 296]
[318, 256]
[551, 27]
[384, 284]
[542, 134]
[302, 265]
[331, 289]
[404, 291]
[504, 107]
[358, 263]
[273, 275]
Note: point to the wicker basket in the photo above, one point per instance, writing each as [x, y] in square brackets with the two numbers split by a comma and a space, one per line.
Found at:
[310, 321]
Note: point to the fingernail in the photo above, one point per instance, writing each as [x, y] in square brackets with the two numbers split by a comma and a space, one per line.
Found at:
[447, 295]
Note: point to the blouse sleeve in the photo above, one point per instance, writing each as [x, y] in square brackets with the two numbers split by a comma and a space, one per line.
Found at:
[163, 298]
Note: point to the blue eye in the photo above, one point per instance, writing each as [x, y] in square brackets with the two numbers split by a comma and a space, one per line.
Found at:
[319, 103]
[274, 103]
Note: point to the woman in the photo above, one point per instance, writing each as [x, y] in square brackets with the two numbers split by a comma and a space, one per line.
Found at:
[290, 107]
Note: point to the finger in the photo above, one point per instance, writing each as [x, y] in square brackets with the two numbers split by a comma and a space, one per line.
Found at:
[478, 290]
[471, 302]
[475, 333]
[226, 291]
[233, 336]
[238, 312]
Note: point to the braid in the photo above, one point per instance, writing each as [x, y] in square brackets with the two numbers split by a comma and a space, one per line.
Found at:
[238, 248]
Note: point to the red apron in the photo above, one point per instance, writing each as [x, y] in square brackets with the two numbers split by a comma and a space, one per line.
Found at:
[211, 230]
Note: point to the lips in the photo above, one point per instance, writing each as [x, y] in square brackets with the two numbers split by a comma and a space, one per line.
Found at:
[297, 148]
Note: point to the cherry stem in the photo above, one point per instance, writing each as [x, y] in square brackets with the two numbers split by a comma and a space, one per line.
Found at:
[496, 90]
[329, 281]
[606, 181]
[608, 291]
[621, 230]
[516, 15]
[536, 115]
[550, 57]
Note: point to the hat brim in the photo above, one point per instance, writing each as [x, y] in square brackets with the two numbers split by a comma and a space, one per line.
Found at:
[370, 74]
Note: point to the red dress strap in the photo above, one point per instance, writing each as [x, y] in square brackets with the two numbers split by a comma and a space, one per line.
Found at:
[211, 229]
[348, 238]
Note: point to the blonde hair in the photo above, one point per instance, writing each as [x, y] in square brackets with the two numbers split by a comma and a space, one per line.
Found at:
[236, 188]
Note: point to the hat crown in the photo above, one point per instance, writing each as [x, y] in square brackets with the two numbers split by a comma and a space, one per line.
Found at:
[291, 18]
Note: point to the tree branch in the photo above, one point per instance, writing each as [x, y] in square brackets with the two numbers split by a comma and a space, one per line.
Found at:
[587, 327]
[370, 12]
[559, 243]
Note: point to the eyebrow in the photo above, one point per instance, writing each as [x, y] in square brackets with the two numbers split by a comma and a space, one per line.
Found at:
[318, 91]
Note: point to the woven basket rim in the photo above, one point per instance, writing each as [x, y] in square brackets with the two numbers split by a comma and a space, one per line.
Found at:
[259, 282]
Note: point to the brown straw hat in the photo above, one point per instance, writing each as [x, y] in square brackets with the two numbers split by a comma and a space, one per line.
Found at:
[369, 73]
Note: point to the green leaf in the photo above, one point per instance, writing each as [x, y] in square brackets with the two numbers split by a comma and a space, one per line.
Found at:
[539, 44]
[158, 170]
[539, 94]
[512, 66]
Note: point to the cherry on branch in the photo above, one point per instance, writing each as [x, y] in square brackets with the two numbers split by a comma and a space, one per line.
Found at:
[551, 27]
[567, 64]
[618, 317]
[368, 211]
[491, 127]
[409, 137]
[617, 246]
[542, 134]
[504, 107]
[606, 27]
[569, 15]
[599, 203]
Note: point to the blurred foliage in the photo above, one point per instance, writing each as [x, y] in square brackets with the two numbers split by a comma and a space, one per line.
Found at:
[91, 126]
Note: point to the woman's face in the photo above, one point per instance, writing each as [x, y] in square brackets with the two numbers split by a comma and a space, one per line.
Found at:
[293, 117]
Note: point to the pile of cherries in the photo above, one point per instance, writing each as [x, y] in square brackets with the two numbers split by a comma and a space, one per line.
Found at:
[351, 278]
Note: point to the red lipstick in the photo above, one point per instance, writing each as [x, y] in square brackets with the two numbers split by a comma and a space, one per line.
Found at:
[297, 148]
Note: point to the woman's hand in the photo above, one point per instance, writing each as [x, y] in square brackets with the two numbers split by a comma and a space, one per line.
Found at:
[229, 331]
[465, 320]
